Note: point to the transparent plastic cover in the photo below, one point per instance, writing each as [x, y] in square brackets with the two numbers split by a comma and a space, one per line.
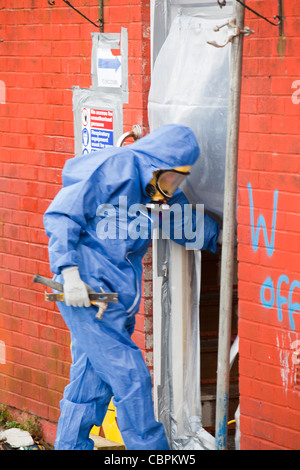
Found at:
[190, 84]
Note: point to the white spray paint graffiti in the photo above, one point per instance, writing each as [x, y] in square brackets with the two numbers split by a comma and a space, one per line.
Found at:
[2, 353]
[296, 354]
[2, 92]
[289, 358]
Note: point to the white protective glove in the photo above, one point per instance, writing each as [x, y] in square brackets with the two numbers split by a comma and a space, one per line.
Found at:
[75, 291]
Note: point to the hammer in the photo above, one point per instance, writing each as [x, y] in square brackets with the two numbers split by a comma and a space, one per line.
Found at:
[98, 299]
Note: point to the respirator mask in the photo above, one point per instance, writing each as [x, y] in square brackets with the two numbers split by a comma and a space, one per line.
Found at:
[165, 182]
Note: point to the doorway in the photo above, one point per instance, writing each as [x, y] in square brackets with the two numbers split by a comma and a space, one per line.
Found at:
[196, 96]
[209, 327]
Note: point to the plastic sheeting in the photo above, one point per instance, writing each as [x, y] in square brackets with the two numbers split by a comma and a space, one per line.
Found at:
[190, 84]
[163, 13]
[179, 401]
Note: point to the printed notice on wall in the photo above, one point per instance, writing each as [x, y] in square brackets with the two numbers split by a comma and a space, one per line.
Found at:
[97, 129]
[109, 64]
[109, 68]
[98, 119]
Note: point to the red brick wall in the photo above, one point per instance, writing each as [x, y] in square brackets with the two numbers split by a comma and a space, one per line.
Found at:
[269, 272]
[45, 51]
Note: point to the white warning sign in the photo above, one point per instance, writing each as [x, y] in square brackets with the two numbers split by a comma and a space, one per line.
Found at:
[97, 129]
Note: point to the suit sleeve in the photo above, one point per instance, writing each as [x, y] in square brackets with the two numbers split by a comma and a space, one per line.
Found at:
[190, 227]
[65, 220]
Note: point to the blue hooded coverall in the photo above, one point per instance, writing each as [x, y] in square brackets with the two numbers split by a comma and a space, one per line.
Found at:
[105, 360]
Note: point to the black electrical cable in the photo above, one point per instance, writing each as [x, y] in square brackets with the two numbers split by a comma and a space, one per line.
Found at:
[261, 16]
[71, 6]
[75, 9]
[222, 3]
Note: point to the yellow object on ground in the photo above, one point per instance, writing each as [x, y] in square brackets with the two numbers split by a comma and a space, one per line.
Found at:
[109, 426]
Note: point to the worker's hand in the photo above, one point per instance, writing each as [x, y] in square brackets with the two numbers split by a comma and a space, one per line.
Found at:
[75, 291]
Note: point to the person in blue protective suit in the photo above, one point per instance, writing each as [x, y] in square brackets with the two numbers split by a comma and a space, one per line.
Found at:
[106, 362]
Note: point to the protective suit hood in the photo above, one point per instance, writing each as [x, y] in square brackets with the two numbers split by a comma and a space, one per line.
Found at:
[167, 147]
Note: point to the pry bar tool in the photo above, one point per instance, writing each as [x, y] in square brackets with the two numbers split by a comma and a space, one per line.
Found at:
[95, 297]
